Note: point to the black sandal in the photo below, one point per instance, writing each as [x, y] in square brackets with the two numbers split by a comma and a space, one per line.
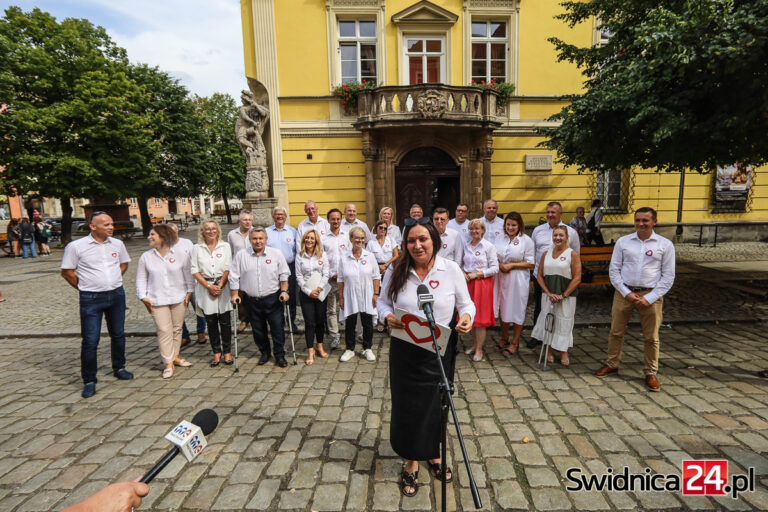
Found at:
[409, 480]
[763, 374]
[436, 468]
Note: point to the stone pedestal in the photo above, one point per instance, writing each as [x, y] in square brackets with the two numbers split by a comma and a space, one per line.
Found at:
[261, 210]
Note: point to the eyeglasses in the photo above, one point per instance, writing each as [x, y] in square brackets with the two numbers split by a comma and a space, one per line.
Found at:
[382, 227]
[412, 222]
[96, 214]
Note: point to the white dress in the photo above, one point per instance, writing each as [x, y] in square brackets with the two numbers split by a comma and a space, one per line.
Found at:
[557, 271]
[211, 265]
[358, 275]
[383, 253]
[511, 289]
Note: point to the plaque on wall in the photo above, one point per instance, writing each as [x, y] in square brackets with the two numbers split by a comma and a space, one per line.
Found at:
[538, 162]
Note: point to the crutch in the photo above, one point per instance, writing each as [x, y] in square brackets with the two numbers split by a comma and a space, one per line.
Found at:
[290, 329]
[234, 327]
[549, 325]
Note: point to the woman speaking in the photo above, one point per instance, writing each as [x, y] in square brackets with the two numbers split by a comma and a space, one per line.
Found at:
[414, 374]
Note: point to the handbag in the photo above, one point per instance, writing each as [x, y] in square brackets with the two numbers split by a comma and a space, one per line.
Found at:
[587, 276]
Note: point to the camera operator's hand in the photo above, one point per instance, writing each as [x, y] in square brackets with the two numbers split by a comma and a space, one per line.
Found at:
[120, 497]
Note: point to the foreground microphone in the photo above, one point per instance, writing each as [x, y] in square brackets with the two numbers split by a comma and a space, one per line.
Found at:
[425, 304]
[189, 438]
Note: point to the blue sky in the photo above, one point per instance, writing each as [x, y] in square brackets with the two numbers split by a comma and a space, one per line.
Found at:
[197, 41]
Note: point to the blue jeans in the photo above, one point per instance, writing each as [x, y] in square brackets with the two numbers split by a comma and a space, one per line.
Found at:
[200, 322]
[26, 247]
[92, 306]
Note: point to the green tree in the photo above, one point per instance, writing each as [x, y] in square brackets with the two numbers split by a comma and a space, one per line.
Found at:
[224, 162]
[71, 128]
[681, 84]
[177, 168]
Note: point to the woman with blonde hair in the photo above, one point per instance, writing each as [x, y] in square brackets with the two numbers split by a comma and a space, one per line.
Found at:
[211, 258]
[480, 265]
[387, 214]
[164, 284]
[312, 273]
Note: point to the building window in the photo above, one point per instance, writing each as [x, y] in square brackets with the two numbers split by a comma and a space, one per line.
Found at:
[157, 202]
[184, 201]
[426, 59]
[133, 202]
[357, 49]
[611, 188]
[489, 51]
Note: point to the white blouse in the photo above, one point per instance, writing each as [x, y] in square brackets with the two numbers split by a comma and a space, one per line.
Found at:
[211, 265]
[305, 267]
[447, 285]
[481, 257]
[383, 253]
[358, 275]
[515, 250]
[395, 234]
[164, 280]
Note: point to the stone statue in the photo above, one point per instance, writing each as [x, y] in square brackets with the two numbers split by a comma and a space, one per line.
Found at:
[249, 127]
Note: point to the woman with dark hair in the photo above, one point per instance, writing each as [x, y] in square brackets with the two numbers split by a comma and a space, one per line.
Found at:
[385, 249]
[27, 238]
[413, 371]
[42, 234]
[594, 219]
[516, 258]
[14, 236]
[164, 284]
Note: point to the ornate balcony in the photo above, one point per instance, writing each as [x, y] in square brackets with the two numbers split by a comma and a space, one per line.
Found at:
[427, 104]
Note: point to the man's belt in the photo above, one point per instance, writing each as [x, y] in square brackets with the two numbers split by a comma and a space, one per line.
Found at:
[638, 288]
[212, 279]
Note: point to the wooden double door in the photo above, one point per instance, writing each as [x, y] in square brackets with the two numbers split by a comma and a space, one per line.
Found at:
[430, 188]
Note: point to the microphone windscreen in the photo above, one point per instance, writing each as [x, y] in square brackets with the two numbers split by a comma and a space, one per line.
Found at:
[422, 290]
[207, 420]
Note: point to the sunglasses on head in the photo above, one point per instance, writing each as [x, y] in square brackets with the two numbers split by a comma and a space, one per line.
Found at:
[412, 222]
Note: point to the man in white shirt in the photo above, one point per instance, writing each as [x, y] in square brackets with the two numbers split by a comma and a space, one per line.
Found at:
[494, 225]
[452, 246]
[351, 220]
[238, 240]
[642, 272]
[460, 223]
[261, 273]
[335, 243]
[283, 237]
[185, 245]
[313, 221]
[94, 265]
[542, 241]
[416, 212]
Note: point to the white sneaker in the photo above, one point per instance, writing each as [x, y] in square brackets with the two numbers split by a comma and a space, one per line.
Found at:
[347, 355]
[368, 354]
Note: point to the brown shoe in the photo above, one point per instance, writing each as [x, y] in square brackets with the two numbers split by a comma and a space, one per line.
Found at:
[652, 383]
[184, 342]
[605, 370]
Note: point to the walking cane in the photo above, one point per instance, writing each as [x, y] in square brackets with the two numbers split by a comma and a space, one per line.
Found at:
[290, 329]
[549, 324]
[234, 325]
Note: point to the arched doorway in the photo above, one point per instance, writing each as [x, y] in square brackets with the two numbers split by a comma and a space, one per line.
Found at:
[427, 176]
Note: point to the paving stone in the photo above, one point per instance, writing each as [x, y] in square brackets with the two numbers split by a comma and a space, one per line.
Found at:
[294, 499]
[541, 477]
[202, 497]
[305, 476]
[264, 495]
[234, 497]
[550, 499]
[386, 496]
[335, 472]
[500, 469]
[509, 495]
[357, 497]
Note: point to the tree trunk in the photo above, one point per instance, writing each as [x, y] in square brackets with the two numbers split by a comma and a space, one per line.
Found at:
[146, 221]
[226, 208]
[66, 220]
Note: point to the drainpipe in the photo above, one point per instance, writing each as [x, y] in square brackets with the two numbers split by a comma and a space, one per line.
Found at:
[679, 230]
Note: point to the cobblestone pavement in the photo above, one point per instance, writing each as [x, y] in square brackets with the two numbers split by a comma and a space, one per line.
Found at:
[317, 437]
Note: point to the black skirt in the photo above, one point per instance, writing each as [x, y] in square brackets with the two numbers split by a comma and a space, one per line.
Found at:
[414, 379]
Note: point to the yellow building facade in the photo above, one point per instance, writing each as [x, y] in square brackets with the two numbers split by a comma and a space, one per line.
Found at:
[423, 134]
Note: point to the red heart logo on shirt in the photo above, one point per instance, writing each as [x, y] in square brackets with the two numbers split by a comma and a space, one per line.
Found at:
[562, 258]
[477, 253]
[320, 262]
[409, 319]
[445, 246]
[434, 284]
[172, 260]
[114, 255]
[288, 240]
[649, 252]
[342, 246]
[363, 262]
[268, 262]
[386, 246]
[218, 255]
[322, 231]
[516, 242]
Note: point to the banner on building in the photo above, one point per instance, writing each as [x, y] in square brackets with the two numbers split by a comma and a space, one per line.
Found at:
[732, 184]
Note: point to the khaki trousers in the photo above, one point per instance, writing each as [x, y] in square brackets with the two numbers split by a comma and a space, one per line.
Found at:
[168, 322]
[332, 305]
[650, 320]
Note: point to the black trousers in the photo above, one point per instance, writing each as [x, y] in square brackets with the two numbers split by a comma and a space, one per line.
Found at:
[262, 311]
[349, 333]
[220, 332]
[293, 291]
[595, 236]
[314, 312]
[537, 291]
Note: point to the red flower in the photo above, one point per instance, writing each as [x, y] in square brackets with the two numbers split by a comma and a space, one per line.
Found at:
[482, 82]
[488, 86]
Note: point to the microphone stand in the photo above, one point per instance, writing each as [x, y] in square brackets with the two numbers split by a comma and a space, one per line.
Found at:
[446, 390]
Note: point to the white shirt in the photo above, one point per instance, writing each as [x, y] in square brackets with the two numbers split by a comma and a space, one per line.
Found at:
[481, 257]
[211, 265]
[452, 246]
[395, 234]
[542, 241]
[358, 275]
[643, 263]
[347, 226]
[238, 241]
[462, 228]
[305, 267]
[445, 282]
[322, 226]
[185, 245]
[493, 229]
[336, 246]
[164, 280]
[516, 249]
[258, 275]
[383, 253]
[97, 265]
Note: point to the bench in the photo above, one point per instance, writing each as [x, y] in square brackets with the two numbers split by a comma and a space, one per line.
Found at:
[180, 223]
[598, 260]
[5, 245]
[157, 220]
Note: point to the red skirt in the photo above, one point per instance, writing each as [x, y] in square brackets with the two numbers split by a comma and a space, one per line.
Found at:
[481, 291]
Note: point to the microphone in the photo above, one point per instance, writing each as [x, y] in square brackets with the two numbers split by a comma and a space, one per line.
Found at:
[425, 304]
[188, 438]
